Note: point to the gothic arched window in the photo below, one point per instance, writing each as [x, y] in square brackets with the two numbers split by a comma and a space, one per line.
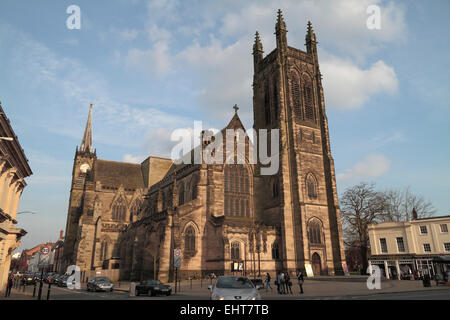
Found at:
[119, 210]
[275, 100]
[235, 251]
[194, 187]
[237, 191]
[267, 113]
[315, 234]
[189, 240]
[104, 250]
[308, 98]
[311, 187]
[296, 97]
[135, 209]
[181, 194]
[275, 251]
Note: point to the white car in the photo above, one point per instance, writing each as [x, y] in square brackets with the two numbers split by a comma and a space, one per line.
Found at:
[234, 288]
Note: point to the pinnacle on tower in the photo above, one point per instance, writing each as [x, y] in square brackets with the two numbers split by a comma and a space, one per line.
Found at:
[280, 31]
[281, 25]
[86, 143]
[310, 35]
[257, 47]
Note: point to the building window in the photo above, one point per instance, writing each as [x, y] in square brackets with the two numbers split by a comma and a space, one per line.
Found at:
[119, 210]
[315, 235]
[296, 98]
[104, 250]
[426, 247]
[400, 245]
[267, 114]
[237, 191]
[181, 194]
[194, 185]
[189, 240]
[235, 251]
[311, 186]
[307, 97]
[423, 230]
[444, 228]
[447, 246]
[275, 251]
[383, 245]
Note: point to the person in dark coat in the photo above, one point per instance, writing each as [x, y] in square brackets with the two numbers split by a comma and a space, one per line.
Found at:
[300, 281]
[267, 283]
[9, 285]
[279, 282]
[288, 283]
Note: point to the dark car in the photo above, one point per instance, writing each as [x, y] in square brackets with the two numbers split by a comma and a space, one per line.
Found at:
[100, 284]
[49, 277]
[29, 278]
[62, 281]
[153, 287]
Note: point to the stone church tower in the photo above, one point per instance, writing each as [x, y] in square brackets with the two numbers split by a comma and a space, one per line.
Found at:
[288, 95]
[105, 197]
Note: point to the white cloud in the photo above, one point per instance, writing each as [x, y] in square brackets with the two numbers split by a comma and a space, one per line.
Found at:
[346, 86]
[372, 166]
[128, 34]
[153, 61]
[133, 159]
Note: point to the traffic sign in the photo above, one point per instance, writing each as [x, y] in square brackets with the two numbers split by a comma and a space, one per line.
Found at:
[45, 250]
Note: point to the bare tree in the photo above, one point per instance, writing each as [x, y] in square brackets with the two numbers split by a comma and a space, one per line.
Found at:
[400, 205]
[361, 205]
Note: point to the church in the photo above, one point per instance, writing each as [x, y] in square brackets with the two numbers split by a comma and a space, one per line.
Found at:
[225, 218]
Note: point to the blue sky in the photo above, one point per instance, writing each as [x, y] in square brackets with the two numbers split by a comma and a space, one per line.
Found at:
[153, 66]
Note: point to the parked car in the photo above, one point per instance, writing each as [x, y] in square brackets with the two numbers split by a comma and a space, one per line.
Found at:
[100, 284]
[49, 277]
[234, 288]
[29, 278]
[153, 287]
[62, 281]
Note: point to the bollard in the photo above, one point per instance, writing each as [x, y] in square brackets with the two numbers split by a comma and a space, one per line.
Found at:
[191, 282]
[48, 291]
[24, 287]
[34, 290]
[40, 290]
[201, 282]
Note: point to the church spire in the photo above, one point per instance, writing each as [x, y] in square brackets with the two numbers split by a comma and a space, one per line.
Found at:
[86, 143]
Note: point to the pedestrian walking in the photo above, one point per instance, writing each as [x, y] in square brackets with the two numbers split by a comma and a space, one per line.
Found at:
[267, 283]
[288, 283]
[300, 281]
[9, 285]
[282, 283]
[278, 282]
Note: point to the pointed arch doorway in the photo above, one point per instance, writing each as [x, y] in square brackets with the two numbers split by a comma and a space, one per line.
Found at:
[316, 264]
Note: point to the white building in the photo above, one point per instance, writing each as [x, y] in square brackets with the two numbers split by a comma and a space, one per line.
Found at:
[419, 246]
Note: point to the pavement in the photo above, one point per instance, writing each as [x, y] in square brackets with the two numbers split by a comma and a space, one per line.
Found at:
[323, 288]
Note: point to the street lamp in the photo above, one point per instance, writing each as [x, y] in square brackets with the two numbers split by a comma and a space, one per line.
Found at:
[7, 138]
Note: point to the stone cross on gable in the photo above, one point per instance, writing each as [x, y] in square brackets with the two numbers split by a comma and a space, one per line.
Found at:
[236, 108]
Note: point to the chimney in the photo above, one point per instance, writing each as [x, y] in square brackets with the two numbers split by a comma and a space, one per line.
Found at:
[414, 213]
[61, 235]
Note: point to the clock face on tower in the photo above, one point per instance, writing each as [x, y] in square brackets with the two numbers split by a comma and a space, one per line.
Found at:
[84, 167]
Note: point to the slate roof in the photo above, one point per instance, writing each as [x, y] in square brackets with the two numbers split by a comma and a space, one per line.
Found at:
[114, 174]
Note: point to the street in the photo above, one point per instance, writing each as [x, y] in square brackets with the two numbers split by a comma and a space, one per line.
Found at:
[314, 290]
